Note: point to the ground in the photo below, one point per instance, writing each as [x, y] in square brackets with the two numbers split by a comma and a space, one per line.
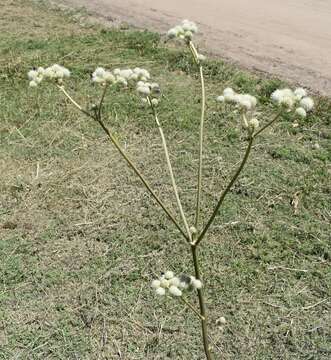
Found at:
[80, 239]
[291, 39]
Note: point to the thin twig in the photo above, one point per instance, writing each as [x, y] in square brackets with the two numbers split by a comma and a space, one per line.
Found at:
[166, 152]
[74, 102]
[286, 268]
[192, 308]
[268, 124]
[202, 306]
[141, 177]
[203, 106]
[314, 305]
[102, 99]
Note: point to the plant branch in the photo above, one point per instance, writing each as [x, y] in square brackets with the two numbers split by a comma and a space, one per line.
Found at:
[268, 124]
[226, 190]
[74, 102]
[203, 107]
[202, 306]
[102, 99]
[97, 118]
[165, 148]
[141, 177]
[192, 308]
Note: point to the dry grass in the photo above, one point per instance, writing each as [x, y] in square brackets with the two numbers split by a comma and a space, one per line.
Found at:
[80, 239]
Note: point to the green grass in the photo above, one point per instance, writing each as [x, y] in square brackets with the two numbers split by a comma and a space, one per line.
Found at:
[80, 239]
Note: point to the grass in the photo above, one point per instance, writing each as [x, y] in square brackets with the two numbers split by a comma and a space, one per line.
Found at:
[80, 239]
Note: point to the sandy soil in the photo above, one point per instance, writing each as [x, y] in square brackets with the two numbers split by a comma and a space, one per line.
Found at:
[288, 38]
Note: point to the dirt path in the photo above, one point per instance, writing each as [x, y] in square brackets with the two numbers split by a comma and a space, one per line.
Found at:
[288, 38]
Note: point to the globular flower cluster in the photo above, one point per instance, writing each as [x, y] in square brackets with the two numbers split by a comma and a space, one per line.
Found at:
[296, 99]
[184, 31]
[55, 72]
[119, 76]
[246, 102]
[149, 92]
[175, 285]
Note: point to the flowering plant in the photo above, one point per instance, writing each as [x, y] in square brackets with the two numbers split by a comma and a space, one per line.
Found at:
[180, 286]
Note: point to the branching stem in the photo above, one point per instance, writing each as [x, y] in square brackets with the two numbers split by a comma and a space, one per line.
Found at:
[268, 124]
[97, 117]
[192, 308]
[202, 119]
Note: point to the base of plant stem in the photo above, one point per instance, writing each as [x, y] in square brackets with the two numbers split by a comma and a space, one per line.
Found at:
[204, 327]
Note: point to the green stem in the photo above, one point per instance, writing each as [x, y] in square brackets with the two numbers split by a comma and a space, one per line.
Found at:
[203, 107]
[226, 190]
[173, 181]
[196, 312]
[202, 306]
[268, 124]
[127, 159]
[102, 99]
[74, 102]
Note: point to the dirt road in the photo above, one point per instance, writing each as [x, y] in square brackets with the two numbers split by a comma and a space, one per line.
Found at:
[288, 38]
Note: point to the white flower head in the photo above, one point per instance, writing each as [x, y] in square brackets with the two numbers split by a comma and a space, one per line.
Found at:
[33, 83]
[174, 281]
[188, 35]
[195, 283]
[228, 91]
[184, 31]
[193, 230]
[172, 33]
[155, 102]
[160, 291]
[188, 25]
[143, 90]
[99, 75]
[307, 103]
[56, 72]
[245, 101]
[156, 284]
[300, 111]
[109, 77]
[277, 95]
[142, 74]
[121, 80]
[175, 285]
[155, 88]
[300, 93]
[36, 76]
[284, 97]
[287, 102]
[229, 95]
[164, 283]
[126, 73]
[175, 291]
[169, 275]
[254, 123]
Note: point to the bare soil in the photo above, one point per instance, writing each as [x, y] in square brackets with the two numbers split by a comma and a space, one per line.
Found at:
[287, 38]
